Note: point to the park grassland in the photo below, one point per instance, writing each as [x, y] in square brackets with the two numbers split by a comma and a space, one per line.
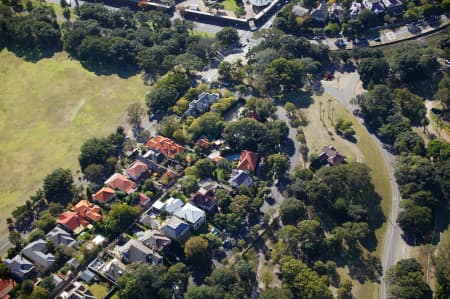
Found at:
[319, 133]
[47, 110]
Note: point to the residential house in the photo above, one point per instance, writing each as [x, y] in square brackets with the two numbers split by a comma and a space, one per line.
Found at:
[6, 286]
[154, 240]
[335, 12]
[176, 229]
[205, 199]
[88, 211]
[192, 215]
[394, 7]
[240, 178]
[76, 290]
[374, 5]
[171, 205]
[153, 155]
[87, 275]
[71, 222]
[202, 103]
[248, 161]
[104, 195]
[331, 156]
[114, 269]
[135, 252]
[165, 146]
[137, 171]
[300, 11]
[58, 236]
[82, 214]
[19, 267]
[355, 9]
[203, 143]
[215, 156]
[153, 166]
[320, 14]
[36, 252]
[144, 201]
[122, 183]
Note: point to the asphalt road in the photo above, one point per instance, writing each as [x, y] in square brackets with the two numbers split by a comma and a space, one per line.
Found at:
[294, 159]
[394, 248]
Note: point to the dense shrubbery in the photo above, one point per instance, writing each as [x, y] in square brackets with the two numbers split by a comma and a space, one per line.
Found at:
[34, 35]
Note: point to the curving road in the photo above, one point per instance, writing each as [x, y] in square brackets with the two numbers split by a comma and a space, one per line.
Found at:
[344, 88]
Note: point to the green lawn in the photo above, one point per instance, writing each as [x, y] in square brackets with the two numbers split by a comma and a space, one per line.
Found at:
[230, 5]
[47, 109]
[98, 290]
[319, 133]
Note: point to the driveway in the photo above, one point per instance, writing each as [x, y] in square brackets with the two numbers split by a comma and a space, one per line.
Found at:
[345, 87]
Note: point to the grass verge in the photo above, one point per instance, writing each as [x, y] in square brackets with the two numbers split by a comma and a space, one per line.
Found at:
[319, 133]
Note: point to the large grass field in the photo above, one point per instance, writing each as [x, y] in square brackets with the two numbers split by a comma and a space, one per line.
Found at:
[47, 110]
[321, 132]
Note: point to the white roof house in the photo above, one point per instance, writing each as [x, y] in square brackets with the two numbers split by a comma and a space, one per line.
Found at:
[191, 214]
[170, 206]
[374, 5]
[355, 9]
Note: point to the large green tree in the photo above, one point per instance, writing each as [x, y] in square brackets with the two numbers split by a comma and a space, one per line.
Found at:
[58, 185]
[406, 281]
[302, 281]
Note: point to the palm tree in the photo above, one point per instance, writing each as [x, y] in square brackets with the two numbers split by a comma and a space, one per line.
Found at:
[320, 109]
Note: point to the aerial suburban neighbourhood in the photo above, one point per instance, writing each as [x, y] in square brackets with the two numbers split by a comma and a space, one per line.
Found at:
[209, 149]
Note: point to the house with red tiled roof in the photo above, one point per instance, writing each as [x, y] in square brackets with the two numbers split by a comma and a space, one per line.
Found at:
[165, 146]
[6, 286]
[122, 183]
[203, 143]
[70, 221]
[137, 171]
[248, 161]
[88, 211]
[104, 195]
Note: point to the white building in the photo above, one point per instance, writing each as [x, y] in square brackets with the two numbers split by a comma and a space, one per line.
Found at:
[192, 215]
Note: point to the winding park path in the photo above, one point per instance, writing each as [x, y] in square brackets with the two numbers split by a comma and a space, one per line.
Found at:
[344, 88]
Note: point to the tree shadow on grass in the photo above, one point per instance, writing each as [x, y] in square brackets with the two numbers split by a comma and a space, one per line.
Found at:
[31, 54]
[123, 72]
[301, 99]
[376, 218]
[362, 267]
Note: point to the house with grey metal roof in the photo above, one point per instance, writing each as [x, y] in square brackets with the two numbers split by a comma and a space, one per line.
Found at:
[36, 252]
[58, 236]
[19, 267]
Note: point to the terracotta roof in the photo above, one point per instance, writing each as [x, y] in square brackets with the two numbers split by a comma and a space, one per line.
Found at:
[121, 182]
[143, 199]
[247, 161]
[104, 195]
[88, 210]
[203, 143]
[6, 285]
[70, 220]
[166, 146]
[137, 169]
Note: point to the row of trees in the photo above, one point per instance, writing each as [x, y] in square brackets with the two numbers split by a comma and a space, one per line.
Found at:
[33, 36]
